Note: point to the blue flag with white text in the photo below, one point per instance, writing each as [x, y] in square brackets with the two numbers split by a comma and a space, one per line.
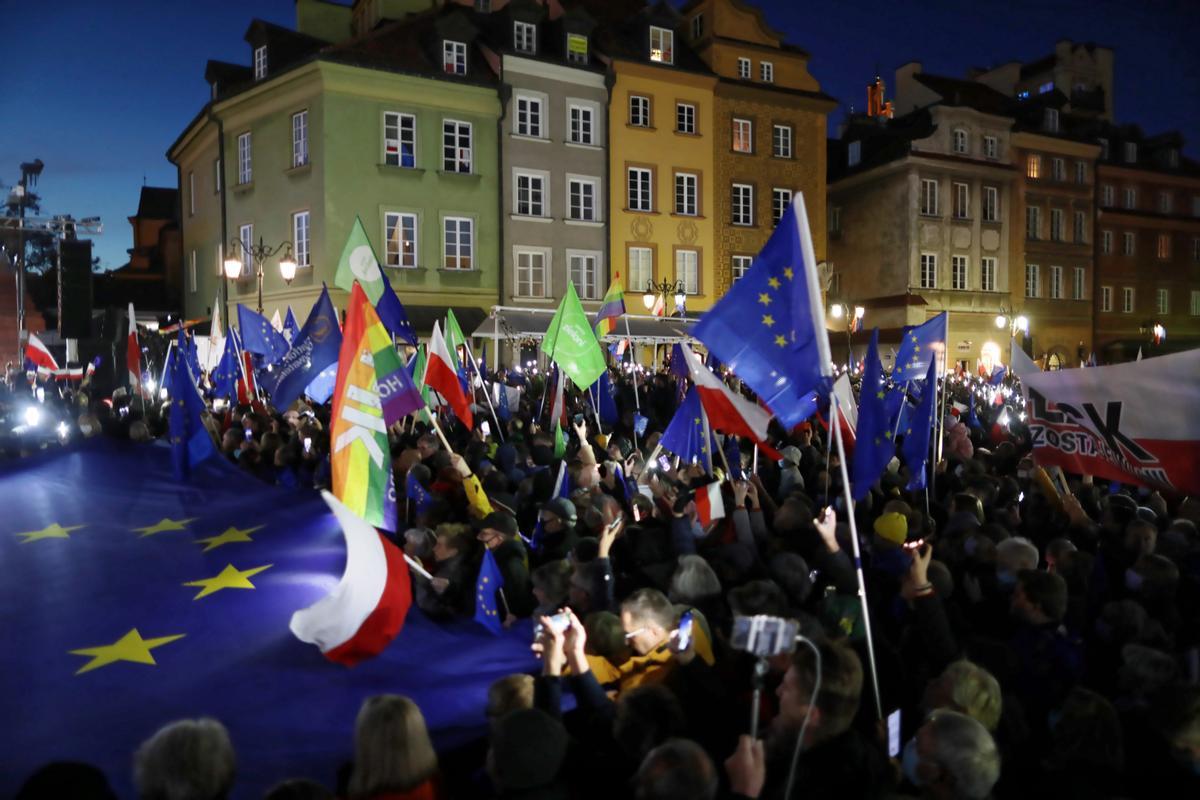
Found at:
[315, 348]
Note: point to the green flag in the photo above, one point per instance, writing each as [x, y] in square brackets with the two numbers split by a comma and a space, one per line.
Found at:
[560, 443]
[358, 262]
[419, 381]
[454, 337]
[571, 344]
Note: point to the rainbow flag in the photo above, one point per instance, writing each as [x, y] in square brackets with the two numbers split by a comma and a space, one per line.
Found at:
[361, 459]
[611, 309]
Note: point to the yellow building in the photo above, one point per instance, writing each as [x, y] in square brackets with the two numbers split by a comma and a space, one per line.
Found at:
[768, 132]
[661, 160]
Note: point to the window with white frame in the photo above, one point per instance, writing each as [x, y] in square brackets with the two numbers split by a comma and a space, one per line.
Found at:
[1106, 242]
[740, 265]
[662, 45]
[1056, 225]
[1059, 167]
[958, 272]
[929, 197]
[245, 166]
[584, 274]
[1078, 284]
[191, 193]
[780, 200]
[581, 124]
[1081, 172]
[1108, 195]
[524, 37]
[743, 66]
[639, 111]
[1166, 203]
[987, 274]
[577, 48]
[687, 194]
[697, 26]
[1162, 301]
[1130, 197]
[400, 238]
[781, 141]
[260, 63]
[458, 242]
[766, 71]
[743, 135]
[1128, 243]
[962, 201]
[245, 253]
[1033, 166]
[1164, 246]
[1056, 283]
[853, 153]
[531, 273]
[928, 270]
[581, 199]
[217, 176]
[687, 270]
[641, 268]
[456, 146]
[641, 194]
[1106, 298]
[1033, 223]
[1127, 299]
[685, 118]
[1032, 280]
[960, 140]
[299, 138]
[1195, 307]
[530, 199]
[991, 147]
[300, 239]
[743, 204]
[399, 140]
[1050, 120]
[1130, 152]
[529, 116]
[192, 272]
[454, 57]
[991, 204]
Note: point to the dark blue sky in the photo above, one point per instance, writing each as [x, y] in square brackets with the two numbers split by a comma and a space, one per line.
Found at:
[99, 90]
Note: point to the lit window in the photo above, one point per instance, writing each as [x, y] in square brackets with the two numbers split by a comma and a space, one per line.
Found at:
[662, 45]
[459, 242]
[743, 135]
[1033, 166]
[399, 140]
[400, 236]
[454, 57]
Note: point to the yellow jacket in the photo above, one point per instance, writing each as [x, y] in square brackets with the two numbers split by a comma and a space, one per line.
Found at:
[653, 667]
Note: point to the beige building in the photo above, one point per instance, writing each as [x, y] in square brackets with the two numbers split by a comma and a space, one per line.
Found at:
[920, 213]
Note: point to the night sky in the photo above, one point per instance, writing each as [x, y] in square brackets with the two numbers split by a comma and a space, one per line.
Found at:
[99, 90]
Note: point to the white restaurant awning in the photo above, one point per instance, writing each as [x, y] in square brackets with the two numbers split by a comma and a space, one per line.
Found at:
[511, 322]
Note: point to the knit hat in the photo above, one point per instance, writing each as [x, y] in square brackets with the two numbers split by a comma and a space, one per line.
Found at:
[562, 508]
[528, 749]
[893, 527]
[499, 521]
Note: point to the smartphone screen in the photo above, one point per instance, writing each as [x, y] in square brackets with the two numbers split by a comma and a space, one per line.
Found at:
[485, 428]
[637, 513]
[664, 463]
[685, 631]
[307, 444]
[894, 734]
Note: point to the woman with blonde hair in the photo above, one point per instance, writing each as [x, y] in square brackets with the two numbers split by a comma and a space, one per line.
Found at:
[393, 757]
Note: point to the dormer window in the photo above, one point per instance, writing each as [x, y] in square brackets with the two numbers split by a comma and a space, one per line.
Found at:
[454, 57]
[577, 48]
[662, 45]
[260, 63]
[1131, 152]
[1050, 120]
[524, 37]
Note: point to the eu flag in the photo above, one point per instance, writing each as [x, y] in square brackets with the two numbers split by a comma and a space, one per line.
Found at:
[684, 435]
[315, 348]
[259, 336]
[228, 370]
[190, 441]
[606, 402]
[487, 587]
[874, 445]
[769, 328]
[915, 449]
[998, 375]
[392, 314]
[417, 493]
[917, 348]
[290, 326]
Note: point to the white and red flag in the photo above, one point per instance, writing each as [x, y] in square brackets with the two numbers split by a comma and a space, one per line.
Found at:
[1134, 422]
[39, 355]
[441, 376]
[709, 503]
[133, 356]
[367, 608]
[728, 412]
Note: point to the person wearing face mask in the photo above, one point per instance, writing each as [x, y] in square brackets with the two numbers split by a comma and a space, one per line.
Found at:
[952, 756]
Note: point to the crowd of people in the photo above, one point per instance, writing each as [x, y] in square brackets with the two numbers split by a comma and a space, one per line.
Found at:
[1035, 640]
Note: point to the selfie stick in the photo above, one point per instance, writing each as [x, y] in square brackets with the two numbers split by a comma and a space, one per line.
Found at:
[760, 673]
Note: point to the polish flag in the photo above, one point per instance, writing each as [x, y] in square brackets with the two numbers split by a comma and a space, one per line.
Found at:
[133, 356]
[39, 355]
[660, 306]
[441, 377]
[847, 412]
[709, 503]
[247, 390]
[365, 611]
[728, 412]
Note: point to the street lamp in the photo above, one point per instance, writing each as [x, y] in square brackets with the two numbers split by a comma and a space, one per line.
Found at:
[853, 317]
[258, 253]
[1014, 323]
[662, 289]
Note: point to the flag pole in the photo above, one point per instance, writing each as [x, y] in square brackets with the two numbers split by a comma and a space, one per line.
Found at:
[486, 393]
[858, 568]
[637, 403]
[438, 430]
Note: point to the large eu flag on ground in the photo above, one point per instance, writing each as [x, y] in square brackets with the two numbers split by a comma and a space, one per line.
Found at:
[131, 601]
